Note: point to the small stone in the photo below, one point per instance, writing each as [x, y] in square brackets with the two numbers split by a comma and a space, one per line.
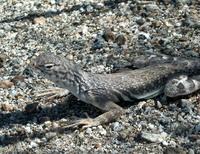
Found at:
[156, 23]
[98, 44]
[48, 123]
[191, 151]
[182, 39]
[53, 2]
[88, 130]
[151, 126]
[151, 7]
[172, 150]
[70, 57]
[31, 108]
[55, 125]
[3, 58]
[7, 27]
[122, 24]
[164, 135]
[143, 36]
[38, 141]
[154, 138]
[18, 78]
[108, 35]
[120, 39]
[159, 105]
[123, 134]
[2, 33]
[19, 25]
[84, 29]
[89, 8]
[50, 135]
[98, 5]
[140, 21]
[103, 132]
[81, 135]
[97, 145]
[5, 84]
[141, 104]
[28, 129]
[40, 20]
[117, 127]
[33, 144]
[197, 128]
[164, 143]
[7, 107]
[180, 118]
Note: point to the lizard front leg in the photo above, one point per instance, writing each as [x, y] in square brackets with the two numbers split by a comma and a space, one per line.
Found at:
[182, 85]
[52, 93]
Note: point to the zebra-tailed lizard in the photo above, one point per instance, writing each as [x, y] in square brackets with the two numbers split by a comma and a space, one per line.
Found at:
[158, 74]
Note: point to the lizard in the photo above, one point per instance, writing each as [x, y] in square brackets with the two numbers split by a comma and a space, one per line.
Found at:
[157, 74]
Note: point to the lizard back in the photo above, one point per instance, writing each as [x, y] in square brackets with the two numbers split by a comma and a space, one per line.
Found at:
[141, 83]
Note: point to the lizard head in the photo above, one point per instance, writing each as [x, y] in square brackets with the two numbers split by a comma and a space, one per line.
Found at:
[44, 63]
[51, 66]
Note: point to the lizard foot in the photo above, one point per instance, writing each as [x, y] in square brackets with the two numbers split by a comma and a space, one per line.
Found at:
[52, 93]
[87, 122]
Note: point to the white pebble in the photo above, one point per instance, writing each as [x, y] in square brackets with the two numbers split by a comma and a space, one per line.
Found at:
[33, 144]
[88, 130]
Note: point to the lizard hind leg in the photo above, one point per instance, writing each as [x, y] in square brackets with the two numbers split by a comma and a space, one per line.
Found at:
[182, 85]
[113, 112]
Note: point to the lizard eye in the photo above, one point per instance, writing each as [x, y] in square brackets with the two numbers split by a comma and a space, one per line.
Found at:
[48, 66]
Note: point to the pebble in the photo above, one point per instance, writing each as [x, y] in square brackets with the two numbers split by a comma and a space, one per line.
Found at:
[117, 127]
[50, 135]
[7, 106]
[28, 129]
[48, 123]
[120, 39]
[108, 35]
[98, 5]
[140, 21]
[7, 27]
[5, 83]
[172, 150]
[2, 33]
[124, 134]
[98, 44]
[40, 20]
[151, 7]
[18, 78]
[31, 108]
[88, 130]
[33, 144]
[180, 118]
[97, 145]
[103, 132]
[154, 138]
[159, 105]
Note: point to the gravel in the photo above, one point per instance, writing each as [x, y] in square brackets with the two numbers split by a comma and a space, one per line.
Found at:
[89, 33]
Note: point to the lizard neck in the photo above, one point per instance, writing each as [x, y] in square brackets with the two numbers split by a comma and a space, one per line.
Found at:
[70, 78]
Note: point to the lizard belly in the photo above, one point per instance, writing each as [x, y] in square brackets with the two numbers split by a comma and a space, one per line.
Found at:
[149, 94]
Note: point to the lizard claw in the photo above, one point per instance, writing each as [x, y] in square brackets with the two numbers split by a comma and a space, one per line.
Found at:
[52, 93]
[88, 122]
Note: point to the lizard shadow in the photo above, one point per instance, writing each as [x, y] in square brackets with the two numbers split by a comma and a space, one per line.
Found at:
[31, 16]
[36, 114]
[70, 107]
